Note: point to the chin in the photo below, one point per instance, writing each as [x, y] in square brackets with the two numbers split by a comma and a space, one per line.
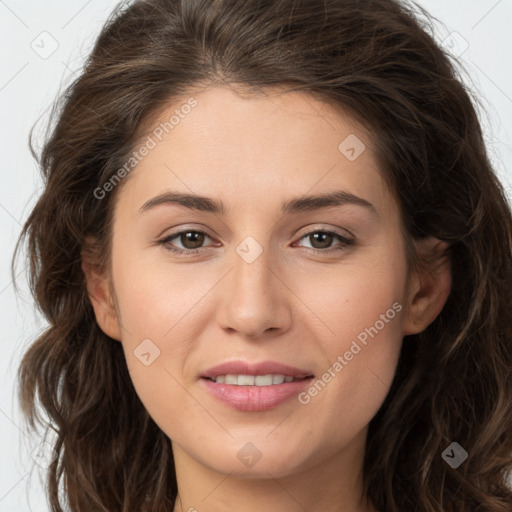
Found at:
[257, 459]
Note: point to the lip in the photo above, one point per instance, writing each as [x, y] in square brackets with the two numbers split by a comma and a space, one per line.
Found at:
[254, 398]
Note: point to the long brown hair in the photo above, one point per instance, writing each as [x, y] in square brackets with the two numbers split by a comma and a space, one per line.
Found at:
[379, 60]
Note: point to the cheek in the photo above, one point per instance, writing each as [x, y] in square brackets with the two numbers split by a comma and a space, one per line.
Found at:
[363, 300]
[156, 298]
[362, 325]
[361, 336]
[162, 312]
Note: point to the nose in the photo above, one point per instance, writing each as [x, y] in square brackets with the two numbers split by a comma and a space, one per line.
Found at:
[255, 298]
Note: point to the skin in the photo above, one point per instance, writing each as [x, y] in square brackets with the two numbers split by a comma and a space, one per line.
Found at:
[294, 304]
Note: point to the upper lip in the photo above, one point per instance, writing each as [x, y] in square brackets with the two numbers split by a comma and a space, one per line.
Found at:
[263, 368]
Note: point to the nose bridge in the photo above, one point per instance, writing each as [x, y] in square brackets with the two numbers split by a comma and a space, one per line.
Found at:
[252, 260]
[253, 273]
[255, 299]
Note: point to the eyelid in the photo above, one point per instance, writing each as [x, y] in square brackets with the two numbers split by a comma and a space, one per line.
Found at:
[345, 233]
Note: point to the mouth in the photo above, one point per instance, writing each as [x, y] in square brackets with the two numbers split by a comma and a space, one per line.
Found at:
[254, 386]
[255, 380]
[266, 373]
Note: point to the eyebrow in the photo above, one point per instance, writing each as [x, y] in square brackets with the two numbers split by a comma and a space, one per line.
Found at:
[295, 205]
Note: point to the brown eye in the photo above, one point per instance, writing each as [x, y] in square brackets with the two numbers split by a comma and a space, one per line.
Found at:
[191, 241]
[322, 240]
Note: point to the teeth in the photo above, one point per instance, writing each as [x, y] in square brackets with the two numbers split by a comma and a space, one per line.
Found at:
[231, 379]
[253, 380]
[278, 379]
[262, 380]
[245, 380]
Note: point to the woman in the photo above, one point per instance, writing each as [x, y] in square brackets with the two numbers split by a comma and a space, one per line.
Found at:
[275, 261]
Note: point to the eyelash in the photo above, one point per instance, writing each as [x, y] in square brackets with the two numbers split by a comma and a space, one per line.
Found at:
[346, 242]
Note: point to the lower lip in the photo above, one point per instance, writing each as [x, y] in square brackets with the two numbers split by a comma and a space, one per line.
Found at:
[255, 398]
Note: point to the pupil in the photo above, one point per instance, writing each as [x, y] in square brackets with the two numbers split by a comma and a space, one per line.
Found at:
[192, 236]
[316, 236]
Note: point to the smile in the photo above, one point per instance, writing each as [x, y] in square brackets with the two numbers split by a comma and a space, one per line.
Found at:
[253, 380]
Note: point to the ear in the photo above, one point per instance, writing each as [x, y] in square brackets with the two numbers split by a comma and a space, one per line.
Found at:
[99, 291]
[430, 285]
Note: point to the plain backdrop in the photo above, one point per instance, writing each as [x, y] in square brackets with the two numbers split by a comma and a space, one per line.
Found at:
[43, 46]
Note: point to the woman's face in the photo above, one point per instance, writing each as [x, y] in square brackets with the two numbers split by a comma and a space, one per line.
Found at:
[301, 274]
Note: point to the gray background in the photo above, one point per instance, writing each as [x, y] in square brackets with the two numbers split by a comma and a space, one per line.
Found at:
[43, 46]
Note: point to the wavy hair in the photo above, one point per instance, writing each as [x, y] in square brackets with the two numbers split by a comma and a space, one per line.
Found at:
[377, 59]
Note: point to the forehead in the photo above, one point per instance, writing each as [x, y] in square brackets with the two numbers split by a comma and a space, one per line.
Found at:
[243, 147]
[230, 121]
